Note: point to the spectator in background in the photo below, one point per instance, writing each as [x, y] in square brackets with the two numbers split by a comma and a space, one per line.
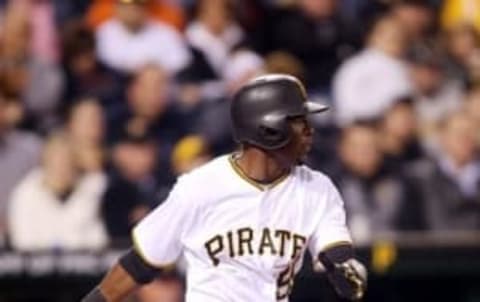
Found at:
[417, 16]
[189, 153]
[472, 107]
[398, 134]
[212, 35]
[243, 65]
[375, 196]
[150, 110]
[35, 80]
[56, 207]
[40, 16]
[19, 152]
[285, 63]
[132, 39]
[65, 11]
[86, 131]
[133, 189]
[169, 12]
[85, 75]
[436, 95]
[214, 32]
[214, 121]
[462, 44]
[450, 184]
[312, 31]
[368, 83]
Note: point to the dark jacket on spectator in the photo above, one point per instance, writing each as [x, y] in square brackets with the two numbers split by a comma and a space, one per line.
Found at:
[121, 198]
[103, 83]
[446, 207]
[213, 123]
[382, 203]
[167, 128]
[413, 152]
[320, 45]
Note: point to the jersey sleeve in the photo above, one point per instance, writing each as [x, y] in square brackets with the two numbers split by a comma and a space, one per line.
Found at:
[331, 228]
[158, 237]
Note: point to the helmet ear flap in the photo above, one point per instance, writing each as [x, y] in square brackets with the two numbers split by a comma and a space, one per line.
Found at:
[274, 132]
[270, 135]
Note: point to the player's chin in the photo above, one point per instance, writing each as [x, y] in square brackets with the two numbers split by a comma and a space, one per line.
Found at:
[307, 147]
[302, 159]
[302, 156]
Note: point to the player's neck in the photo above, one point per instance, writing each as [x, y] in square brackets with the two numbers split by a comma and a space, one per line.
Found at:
[260, 166]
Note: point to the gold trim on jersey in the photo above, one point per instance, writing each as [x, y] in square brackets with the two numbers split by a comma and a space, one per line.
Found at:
[138, 249]
[335, 244]
[256, 184]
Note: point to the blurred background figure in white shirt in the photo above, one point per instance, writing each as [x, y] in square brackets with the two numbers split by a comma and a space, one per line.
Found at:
[55, 206]
[369, 82]
[132, 39]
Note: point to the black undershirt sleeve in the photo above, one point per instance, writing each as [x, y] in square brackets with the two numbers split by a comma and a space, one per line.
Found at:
[337, 254]
[137, 268]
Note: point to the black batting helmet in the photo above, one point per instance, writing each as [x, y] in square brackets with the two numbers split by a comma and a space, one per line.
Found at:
[261, 108]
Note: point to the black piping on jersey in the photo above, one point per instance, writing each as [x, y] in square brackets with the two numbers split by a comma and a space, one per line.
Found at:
[257, 184]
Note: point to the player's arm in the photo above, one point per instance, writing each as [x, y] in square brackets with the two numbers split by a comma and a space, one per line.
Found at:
[331, 245]
[116, 285]
[123, 279]
[157, 244]
[347, 275]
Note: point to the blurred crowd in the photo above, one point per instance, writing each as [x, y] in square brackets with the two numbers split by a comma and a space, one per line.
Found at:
[104, 102]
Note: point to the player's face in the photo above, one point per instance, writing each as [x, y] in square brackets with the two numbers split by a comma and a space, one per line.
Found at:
[302, 135]
[302, 140]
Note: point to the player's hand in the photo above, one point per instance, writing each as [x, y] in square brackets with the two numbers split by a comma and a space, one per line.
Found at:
[349, 279]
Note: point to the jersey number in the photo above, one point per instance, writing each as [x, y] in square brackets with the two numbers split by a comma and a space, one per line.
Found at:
[285, 282]
[285, 279]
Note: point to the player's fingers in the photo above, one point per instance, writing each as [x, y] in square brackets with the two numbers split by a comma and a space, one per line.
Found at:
[355, 278]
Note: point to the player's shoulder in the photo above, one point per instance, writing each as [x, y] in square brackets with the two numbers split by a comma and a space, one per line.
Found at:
[320, 187]
[209, 172]
[313, 178]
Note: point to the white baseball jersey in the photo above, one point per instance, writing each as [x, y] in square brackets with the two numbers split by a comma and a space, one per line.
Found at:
[242, 241]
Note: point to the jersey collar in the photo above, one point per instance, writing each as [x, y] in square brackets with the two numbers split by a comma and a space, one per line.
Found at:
[260, 186]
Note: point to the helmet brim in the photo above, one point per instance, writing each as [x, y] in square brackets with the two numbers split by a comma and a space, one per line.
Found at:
[314, 107]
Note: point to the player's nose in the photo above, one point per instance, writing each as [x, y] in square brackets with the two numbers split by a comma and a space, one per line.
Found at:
[308, 129]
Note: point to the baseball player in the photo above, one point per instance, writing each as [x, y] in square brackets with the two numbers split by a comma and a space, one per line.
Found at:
[244, 221]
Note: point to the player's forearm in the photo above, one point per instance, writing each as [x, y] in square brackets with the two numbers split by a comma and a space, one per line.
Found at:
[130, 272]
[116, 286]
